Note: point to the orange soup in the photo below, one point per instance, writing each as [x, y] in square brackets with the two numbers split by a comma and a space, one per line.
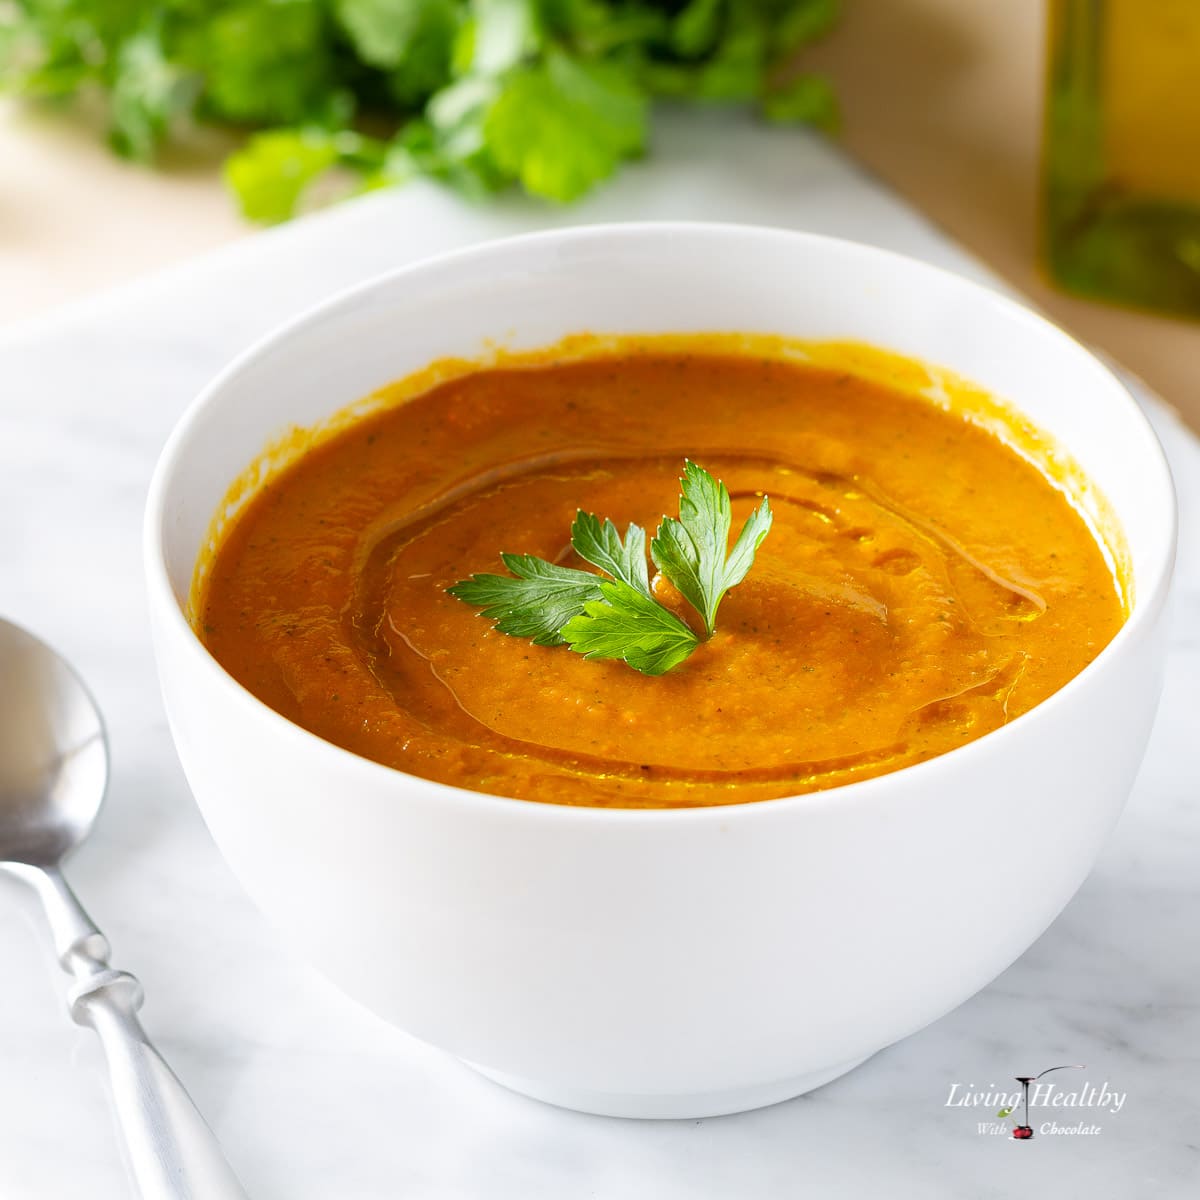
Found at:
[924, 582]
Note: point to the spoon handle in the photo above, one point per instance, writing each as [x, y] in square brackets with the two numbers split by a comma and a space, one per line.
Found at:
[171, 1153]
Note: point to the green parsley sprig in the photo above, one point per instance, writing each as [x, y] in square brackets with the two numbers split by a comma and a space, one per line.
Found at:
[618, 617]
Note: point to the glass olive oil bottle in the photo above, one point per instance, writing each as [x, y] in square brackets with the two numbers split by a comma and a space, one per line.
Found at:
[1121, 166]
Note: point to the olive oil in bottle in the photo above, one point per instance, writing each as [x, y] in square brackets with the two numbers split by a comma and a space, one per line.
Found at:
[1121, 165]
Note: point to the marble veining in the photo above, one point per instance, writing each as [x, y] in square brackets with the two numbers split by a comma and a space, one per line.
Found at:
[313, 1097]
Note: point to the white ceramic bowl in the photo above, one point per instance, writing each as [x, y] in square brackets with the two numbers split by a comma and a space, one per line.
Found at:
[662, 963]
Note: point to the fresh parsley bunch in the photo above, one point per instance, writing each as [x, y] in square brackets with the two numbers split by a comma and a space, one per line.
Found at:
[616, 615]
[551, 94]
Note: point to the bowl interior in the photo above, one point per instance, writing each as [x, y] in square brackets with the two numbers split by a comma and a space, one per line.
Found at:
[531, 292]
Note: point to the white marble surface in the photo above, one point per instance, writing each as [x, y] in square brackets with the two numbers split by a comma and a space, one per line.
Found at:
[313, 1097]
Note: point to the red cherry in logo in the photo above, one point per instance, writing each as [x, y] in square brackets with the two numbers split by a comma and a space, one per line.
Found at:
[1023, 1131]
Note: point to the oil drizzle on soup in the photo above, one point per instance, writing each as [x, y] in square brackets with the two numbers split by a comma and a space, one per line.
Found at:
[923, 583]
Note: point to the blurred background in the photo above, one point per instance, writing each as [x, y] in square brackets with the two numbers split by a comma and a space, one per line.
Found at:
[1053, 138]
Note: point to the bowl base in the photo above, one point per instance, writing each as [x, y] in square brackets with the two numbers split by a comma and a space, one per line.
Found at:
[687, 1105]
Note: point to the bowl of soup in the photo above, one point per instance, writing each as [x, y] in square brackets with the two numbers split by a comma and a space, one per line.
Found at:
[862, 794]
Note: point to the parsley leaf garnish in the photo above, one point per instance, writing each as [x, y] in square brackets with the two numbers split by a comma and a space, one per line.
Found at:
[692, 551]
[619, 617]
[633, 626]
[599, 543]
[535, 605]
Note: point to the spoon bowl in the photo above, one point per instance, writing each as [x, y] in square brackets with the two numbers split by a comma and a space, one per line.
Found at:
[53, 753]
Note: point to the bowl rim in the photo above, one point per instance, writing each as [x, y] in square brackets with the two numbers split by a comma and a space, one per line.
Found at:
[1149, 599]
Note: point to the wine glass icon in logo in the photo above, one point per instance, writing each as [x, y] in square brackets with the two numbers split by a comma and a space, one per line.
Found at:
[1024, 1132]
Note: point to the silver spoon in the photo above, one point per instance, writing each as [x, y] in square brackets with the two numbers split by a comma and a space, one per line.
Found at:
[53, 771]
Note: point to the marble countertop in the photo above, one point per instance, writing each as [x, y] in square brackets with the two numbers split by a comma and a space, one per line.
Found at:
[313, 1097]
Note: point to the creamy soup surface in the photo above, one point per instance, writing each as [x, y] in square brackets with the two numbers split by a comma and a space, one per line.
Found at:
[922, 585]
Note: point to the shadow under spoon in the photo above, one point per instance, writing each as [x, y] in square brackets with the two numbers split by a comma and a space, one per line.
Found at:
[53, 772]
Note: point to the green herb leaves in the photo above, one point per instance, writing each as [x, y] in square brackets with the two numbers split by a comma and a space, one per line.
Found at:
[535, 605]
[691, 552]
[340, 95]
[633, 626]
[563, 125]
[599, 543]
[619, 617]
